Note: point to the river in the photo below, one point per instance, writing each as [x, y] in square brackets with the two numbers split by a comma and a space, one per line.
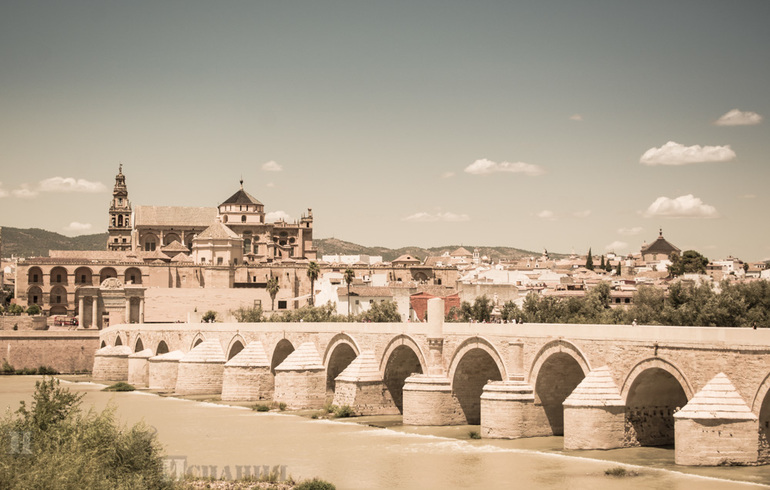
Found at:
[205, 437]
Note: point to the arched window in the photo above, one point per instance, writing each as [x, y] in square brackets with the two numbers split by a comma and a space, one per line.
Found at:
[243, 218]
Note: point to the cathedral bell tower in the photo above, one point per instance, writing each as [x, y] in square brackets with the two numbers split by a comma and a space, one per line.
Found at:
[119, 229]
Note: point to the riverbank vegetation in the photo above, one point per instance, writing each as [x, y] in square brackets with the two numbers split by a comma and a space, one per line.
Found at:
[54, 443]
[728, 304]
[377, 313]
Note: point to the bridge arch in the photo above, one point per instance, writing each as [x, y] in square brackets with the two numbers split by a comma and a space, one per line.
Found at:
[761, 408]
[162, 348]
[197, 340]
[558, 368]
[340, 352]
[402, 358]
[138, 345]
[474, 363]
[118, 340]
[652, 392]
[237, 343]
[281, 351]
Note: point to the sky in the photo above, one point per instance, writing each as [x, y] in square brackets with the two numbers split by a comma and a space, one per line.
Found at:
[564, 125]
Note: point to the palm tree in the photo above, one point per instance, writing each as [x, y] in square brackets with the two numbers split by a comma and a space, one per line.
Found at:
[272, 289]
[313, 270]
[349, 275]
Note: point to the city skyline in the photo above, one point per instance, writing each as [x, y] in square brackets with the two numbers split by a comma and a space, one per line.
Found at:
[551, 126]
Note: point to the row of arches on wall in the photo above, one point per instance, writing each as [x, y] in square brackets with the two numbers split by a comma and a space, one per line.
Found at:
[82, 276]
[653, 390]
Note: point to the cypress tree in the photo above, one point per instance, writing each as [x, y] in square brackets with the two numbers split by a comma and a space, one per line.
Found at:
[589, 261]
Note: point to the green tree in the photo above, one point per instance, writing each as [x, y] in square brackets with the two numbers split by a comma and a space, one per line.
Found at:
[381, 312]
[691, 262]
[602, 265]
[589, 261]
[510, 311]
[482, 309]
[619, 270]
[14, 309]
[33, 310]
[313, 271]
[209, 317]
[249, 315]
[73, 449]
[272, 290]
[349, 275]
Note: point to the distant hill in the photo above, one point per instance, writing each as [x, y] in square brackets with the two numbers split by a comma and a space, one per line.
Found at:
[331, 246]
[34, 242]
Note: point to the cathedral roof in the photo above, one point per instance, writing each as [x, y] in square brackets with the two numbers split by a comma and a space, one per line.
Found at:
[660, 246]
[217, 231]
[174, 216]
[242, 197]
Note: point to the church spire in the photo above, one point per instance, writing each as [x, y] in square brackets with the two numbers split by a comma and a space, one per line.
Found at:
[119, 228]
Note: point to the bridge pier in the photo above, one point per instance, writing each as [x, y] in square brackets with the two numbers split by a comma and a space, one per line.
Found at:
[139, 368]
[508, 411]
[201, 370]
[163, 371]
[594, 413]
[247, 375]
[111, 363]
[716, 427]
[360, 386]
[300, 380]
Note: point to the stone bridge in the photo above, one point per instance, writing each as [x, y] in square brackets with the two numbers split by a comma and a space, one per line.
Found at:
[702, 389]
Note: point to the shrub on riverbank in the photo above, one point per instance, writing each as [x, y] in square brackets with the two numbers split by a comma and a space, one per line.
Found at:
[120, 386]
[54, 444]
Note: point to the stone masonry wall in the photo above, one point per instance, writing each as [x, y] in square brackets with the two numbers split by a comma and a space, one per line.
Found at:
[246, 383]
[66, 352]
[715, 442]
[199, 378]
[23, 322]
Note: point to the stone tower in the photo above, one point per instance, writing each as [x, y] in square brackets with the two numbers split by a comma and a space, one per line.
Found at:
[120, 216]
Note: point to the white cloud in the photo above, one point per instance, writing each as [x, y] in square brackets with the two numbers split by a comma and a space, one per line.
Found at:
[424, 217]
[576, 117]
[630, 231]
[272, 166]
[749, 196]
[69, 184]
[270, 184]
[24, 192]
[615, 246]
[274, 216]
[447, 175]
[546, 214]
[582, 214]
[76, 226]
[3, 192]
[687, 206]
[486, 167]
[676, 154]
[736, 117]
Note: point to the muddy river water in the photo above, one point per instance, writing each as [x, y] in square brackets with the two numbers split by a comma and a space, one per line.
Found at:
[210, 438]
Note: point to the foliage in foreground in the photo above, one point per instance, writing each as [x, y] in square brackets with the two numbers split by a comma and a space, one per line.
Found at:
[54, 444]
[6, 368]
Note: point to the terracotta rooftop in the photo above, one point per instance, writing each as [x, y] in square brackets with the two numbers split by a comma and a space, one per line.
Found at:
[217, 231]
[150, 216]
